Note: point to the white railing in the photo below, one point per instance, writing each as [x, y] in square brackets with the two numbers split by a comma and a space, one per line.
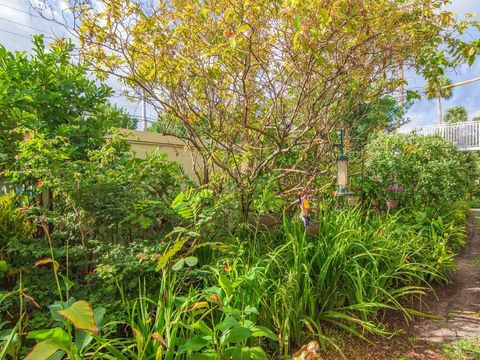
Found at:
[465, 135]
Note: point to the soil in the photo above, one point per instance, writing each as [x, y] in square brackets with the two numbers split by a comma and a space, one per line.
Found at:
[455, 310]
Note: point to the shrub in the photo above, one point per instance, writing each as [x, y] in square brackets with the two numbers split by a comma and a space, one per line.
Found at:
[432, 171]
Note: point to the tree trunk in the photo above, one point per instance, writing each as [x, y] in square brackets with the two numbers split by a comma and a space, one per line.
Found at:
[439, 109]
[401, 89]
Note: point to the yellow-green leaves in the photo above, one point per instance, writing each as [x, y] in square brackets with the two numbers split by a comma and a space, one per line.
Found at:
[177, 246]
[234, 73]
[44, 350]
[51, 341]
[80, 314]
[324, 15]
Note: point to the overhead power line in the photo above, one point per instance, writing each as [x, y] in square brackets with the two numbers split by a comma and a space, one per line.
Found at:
[17, 34]
[22, 11]
[27, 26]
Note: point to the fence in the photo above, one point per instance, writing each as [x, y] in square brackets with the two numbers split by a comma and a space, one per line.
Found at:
[465, 135]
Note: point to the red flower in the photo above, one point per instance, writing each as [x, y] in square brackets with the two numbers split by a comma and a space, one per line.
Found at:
[39, 182]
[27, 137]
[228, 32]
[227, 267]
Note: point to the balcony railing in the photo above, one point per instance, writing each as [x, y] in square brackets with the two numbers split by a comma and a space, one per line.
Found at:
[465, 135]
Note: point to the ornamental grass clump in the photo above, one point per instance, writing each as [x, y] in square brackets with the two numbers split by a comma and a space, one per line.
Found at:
[359, 266]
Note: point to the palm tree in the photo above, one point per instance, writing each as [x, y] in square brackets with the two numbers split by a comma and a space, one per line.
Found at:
[456, 114]
[435, 89]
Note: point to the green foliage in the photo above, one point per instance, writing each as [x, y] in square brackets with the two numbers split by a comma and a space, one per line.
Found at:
[456, 115]
[57, 342]
[266, 199]
[14, 226]
[108, 194]
[179, 275]
[110, 197]
[366, 119]
[432, 171]
[48, 93]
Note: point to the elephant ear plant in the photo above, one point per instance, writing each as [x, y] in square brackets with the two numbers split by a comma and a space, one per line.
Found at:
[81, 324]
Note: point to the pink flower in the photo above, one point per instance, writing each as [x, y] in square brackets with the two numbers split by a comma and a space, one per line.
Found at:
[27, 137]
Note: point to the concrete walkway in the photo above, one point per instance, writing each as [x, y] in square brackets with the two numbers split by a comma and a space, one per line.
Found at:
[458, 304]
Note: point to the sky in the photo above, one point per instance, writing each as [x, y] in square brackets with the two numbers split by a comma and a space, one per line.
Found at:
[18, 22]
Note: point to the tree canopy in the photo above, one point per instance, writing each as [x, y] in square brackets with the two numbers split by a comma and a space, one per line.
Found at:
[255, 82]
[52, 94]
[456, 114]
[435, 88]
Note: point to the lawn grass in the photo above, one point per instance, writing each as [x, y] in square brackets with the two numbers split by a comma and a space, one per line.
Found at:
[463, 349]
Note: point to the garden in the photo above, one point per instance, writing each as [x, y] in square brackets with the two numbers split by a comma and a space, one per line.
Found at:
[104, 255]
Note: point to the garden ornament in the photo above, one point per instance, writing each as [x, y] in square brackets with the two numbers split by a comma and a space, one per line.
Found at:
[305, 208]
[311, 351]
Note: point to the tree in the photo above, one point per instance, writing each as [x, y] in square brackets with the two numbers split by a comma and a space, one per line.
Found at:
[262, 87]
[456, 114]
[476, 118]
[435, 89]
[380, 114]
[113, 116]
[50, 94]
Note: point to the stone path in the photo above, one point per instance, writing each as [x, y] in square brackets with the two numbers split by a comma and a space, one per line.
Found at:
[458, 304]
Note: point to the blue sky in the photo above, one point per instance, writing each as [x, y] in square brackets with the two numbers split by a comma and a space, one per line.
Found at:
[424, 112]
[18, 22]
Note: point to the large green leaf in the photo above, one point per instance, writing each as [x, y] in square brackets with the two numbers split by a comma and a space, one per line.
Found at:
[200, 325]
[191, 261]
[57, 306]
[227, 323]
[259, 331]
[257, 353]
[236, 335]
[178, 265]
[225, 284]
[207, 355]
[80, 314]
[8, 340]
[68, 283]
[44, 350]
[82, 337]
[296, 22]
[57, 334]
[193, 344]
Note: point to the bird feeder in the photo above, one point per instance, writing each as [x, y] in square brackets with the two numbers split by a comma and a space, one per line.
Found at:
[342, 169]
